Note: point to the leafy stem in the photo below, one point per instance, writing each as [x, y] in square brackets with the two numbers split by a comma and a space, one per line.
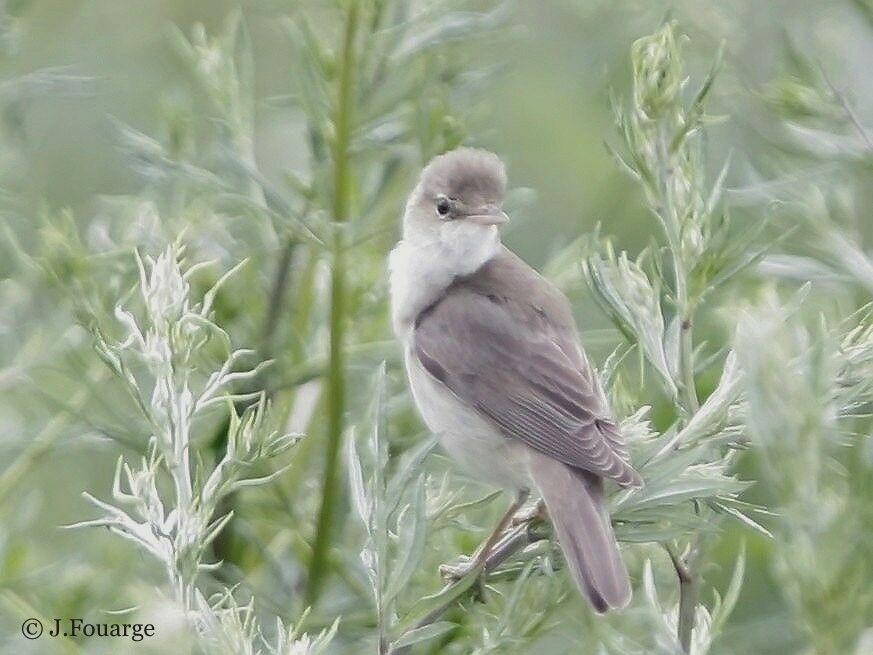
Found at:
[512, 542]
[659, 130]
[336, 365]
[689, 591]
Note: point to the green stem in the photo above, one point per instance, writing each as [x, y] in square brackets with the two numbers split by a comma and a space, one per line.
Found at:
[275, 301]
[336, 365]
[670, 221]
[685, 313]
[686, 356]
[689, 593]
[686, 571]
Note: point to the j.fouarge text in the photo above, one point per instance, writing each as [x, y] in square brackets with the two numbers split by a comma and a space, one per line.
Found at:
[81, 628]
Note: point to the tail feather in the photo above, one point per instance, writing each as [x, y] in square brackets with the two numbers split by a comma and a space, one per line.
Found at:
[575, 503]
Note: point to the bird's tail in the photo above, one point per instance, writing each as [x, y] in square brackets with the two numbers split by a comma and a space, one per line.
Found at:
[574, 499]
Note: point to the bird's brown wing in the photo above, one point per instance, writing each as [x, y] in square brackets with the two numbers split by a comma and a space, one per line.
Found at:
[511, 360]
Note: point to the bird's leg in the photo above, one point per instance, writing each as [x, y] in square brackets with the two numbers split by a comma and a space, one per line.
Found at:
[538, 511]
[478, 560]
[485, 549]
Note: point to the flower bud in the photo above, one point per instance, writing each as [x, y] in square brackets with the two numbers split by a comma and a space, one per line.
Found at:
[657, 71]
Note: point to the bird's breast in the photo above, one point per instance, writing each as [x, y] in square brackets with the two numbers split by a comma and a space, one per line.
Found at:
[469, 438]
[421, 269]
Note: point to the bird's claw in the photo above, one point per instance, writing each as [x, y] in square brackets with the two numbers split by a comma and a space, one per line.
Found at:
[459, 569]
[530, 514]
[463, 567]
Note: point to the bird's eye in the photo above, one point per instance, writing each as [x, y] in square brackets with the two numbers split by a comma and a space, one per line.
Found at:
[443, 206]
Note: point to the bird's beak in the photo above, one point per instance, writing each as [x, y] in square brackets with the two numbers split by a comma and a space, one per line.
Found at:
[488, 216]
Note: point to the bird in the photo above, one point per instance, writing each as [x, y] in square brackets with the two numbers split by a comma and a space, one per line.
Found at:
[496, 369]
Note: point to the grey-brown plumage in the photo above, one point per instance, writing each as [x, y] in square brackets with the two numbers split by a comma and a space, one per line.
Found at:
[477, 177]
[504, 340]
[496, 368]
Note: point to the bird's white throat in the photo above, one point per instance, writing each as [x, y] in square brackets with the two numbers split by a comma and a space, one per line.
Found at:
[423, 264]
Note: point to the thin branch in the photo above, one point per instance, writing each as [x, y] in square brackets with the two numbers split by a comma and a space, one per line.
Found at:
[276, 299]
[689, 592]
[681, 571]
[342, 197]
[515, 540]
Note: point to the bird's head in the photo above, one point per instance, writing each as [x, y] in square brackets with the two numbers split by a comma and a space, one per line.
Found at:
[458, 196]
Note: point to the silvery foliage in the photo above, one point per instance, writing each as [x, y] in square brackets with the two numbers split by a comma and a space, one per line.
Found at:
[812, 425]
[160, 359]
[398, 505]
[835, 255]
[633, 302]
[229, 629]
[661, 622]
[654, 300]
[687, 468]
[394, 513]
[506, 623]
[810, 394]
[815, 117]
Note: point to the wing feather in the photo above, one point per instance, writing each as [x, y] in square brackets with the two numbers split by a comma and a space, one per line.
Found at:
[522, 372]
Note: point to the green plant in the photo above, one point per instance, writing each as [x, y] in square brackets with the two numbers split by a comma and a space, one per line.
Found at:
[809, 395]
[287, 135]
[655, 301]
[160, 361]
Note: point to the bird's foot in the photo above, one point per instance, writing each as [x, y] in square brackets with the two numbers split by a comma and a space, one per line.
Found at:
[531, 514]
[479, 562]
[464, 566]
[460, 568]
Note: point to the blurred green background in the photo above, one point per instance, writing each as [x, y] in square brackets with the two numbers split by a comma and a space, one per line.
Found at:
[543, 105]
[546, 111]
